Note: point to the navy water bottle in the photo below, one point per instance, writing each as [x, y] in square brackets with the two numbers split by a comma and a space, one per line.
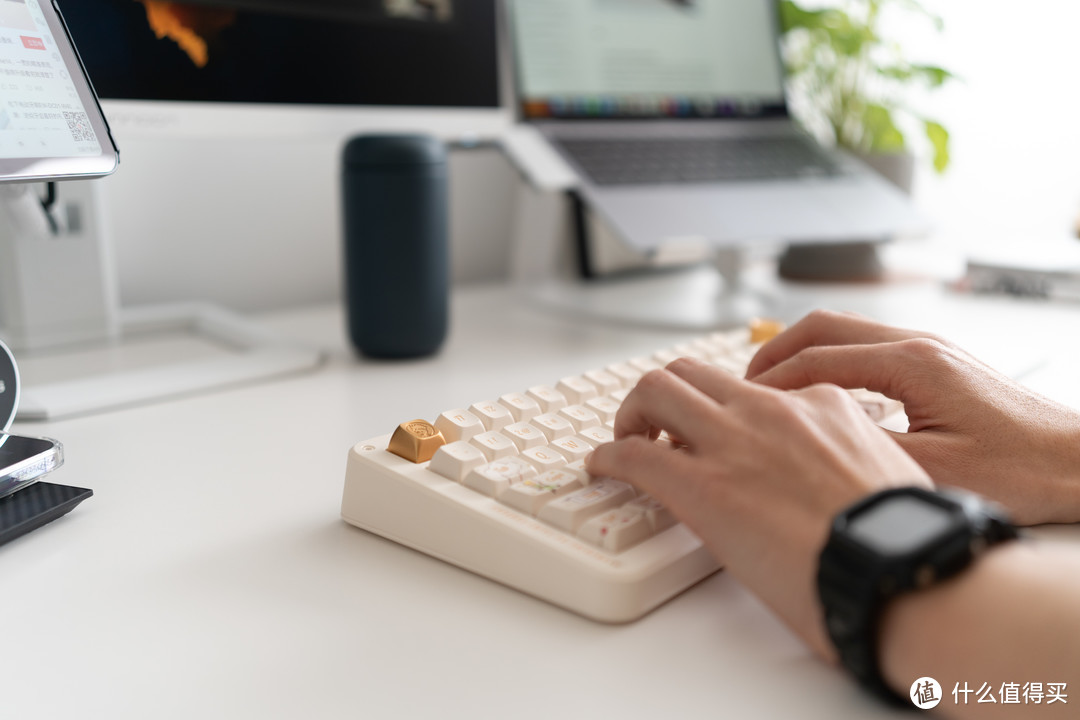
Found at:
[397, 274]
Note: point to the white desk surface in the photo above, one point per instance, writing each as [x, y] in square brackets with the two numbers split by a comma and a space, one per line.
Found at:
[210, 576]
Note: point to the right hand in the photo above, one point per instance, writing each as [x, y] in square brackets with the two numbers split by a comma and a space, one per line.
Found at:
[969, 426]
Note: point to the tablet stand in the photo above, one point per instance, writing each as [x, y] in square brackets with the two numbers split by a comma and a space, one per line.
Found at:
[58, 296]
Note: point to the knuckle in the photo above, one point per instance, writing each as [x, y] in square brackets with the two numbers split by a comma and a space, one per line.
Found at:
[825, 316]
[776, 402]
[651, 381]
[924, 349]
[681, 364]
[827, 394]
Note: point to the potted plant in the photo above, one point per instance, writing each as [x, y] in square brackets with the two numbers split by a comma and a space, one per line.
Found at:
[850, 85]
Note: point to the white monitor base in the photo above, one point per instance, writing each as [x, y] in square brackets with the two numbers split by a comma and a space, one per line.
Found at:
[185, 349]
[704, 297]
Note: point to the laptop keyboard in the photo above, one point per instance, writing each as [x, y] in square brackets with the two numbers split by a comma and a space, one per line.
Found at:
[697, 160]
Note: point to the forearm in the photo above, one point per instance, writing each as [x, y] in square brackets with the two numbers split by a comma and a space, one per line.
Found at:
[1011, 618]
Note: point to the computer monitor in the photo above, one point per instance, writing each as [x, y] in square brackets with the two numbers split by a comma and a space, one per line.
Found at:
[260, 82]
[288, 68]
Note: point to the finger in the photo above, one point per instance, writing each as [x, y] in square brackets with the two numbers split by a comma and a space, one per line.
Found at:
[904, 370]
[718, 384]
[824, 327]
[658, 471]
[662, 400]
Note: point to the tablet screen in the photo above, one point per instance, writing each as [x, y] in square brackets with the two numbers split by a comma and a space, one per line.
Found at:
[51, 125]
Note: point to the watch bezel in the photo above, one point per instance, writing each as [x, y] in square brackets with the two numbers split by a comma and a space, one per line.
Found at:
[934, 558]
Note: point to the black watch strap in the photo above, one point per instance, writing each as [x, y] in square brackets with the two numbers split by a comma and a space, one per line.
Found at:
[855, 583]
[852, 607]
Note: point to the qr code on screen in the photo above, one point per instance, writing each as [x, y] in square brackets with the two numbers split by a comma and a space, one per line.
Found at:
[79, 125]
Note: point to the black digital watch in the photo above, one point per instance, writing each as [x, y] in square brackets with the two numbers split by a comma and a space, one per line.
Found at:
[890, 543]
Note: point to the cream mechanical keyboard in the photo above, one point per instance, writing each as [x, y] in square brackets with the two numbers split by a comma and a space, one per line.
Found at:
[499, 488]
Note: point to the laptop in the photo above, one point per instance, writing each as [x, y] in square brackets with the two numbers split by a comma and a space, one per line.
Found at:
[673, 116]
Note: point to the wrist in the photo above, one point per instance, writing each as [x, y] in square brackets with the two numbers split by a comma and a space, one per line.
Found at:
[889, 544]
[1060, 499]
[931, 633]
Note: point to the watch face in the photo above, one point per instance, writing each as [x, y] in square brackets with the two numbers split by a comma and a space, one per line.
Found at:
[899, 525]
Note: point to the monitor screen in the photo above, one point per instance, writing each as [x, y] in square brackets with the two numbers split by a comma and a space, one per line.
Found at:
[417, 53]
[50, 123]
[646, 58]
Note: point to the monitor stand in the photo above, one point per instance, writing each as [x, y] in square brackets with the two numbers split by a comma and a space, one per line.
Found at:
[79, 353]
[708, 296]
[832, 262]
[723, 291]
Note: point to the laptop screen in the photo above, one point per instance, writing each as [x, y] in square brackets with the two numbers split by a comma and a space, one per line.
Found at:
[646, 58]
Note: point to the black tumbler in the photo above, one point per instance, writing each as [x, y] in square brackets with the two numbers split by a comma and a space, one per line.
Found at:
[397, 275]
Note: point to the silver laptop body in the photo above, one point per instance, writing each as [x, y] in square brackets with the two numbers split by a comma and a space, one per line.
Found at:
[591, 76]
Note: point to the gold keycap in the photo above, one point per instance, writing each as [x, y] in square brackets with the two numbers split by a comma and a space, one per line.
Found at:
[762, 330]
[416, 441]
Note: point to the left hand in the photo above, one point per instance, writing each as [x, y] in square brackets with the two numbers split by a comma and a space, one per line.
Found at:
[760, 475]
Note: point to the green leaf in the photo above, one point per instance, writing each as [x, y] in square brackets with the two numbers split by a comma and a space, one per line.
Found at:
[933, 75]
[903, 73]
[939, 140]
[882, 134]
[849, 39]
[793, 17]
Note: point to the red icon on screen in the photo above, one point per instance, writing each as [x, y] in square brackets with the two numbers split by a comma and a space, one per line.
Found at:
[32, 43]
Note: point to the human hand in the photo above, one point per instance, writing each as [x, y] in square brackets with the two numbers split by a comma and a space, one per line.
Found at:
[757, 474]
[969, 426]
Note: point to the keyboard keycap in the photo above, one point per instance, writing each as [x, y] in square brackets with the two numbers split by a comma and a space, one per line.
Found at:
[544, 458]
[553, 426]
[494, 478]
[522, 407]
[604, 381]
[454, 460]
[494, 445]
[604, 407]
[416, 441]
[581, 417]
[644, 364]
[572, 448]
[548, 398]
[532, 494]
[493, 415]
[627, 374]
[524, 435]
[458, 424]
[597, 436]
[762, 330]
[617, 530]
[577, 389]
[659, 517]
[570, 512]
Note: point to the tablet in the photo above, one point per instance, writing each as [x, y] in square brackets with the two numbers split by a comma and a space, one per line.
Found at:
[51, 126]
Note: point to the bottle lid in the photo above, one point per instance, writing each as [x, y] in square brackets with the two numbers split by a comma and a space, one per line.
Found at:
[394, 149]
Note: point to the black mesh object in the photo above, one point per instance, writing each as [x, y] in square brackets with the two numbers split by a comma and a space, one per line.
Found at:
[37, 505]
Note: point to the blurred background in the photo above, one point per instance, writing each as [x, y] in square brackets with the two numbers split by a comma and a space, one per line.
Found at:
[232, 222]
